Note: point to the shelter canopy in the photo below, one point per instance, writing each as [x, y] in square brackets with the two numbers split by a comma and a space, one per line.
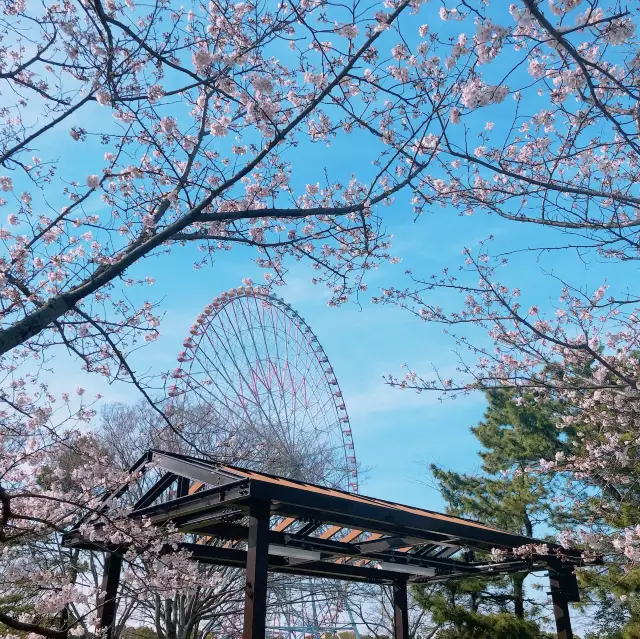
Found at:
[248, 519]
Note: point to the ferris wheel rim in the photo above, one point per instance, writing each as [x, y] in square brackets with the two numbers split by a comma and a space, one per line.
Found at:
[262, 294]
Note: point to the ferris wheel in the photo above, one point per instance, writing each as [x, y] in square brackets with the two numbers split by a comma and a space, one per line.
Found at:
[254, 374]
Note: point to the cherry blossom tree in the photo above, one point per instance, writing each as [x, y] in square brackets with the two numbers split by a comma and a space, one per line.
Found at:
[131, 130]
[189, 120]
[128, 431]
[52, 591]
[561, 80]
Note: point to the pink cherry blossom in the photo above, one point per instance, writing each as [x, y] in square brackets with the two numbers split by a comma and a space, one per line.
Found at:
[103, 97]
[93, 181]
[349, 31]
[202, 59]
[220, 127]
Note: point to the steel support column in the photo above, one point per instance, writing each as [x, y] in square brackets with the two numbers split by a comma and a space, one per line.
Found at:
[560, 607]
[400, 609]
[108, 599]
[183, 486]
[255, 592]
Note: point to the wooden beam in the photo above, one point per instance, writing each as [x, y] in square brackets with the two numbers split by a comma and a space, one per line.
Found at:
[362, 562]
[330, 532]
[351, 536]
[195, 487]
[255, 592]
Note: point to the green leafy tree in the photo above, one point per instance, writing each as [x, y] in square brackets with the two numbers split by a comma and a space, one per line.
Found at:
[455, 609]
[513, 435]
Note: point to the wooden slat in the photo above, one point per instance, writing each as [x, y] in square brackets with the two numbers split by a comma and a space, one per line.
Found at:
[285, 523]
[330, 532]
[362, 562]
[352, 535]
[196, 487]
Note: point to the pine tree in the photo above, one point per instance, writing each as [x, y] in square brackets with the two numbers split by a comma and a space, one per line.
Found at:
[516, 432]
[513, 434]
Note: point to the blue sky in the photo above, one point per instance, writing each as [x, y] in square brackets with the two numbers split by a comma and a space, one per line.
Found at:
[395, 432]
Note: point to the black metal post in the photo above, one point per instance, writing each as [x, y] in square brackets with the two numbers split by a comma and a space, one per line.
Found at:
[560, 606]
[108, 599]
[183, 486]
[400, 609]
[255, 592]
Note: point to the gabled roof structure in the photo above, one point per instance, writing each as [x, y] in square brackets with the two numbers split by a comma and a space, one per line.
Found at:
[248, 519]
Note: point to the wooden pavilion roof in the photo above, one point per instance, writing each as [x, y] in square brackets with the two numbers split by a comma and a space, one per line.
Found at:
[320, 531]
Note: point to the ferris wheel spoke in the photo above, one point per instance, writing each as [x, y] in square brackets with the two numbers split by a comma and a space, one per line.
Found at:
[285, 434]
[221, 402]
[252, 364]
[280, 371]
[236, 424]
[258, 405]
[227, 397]
[295, 390]
[290, 326]
[263, 333]
[284, 377]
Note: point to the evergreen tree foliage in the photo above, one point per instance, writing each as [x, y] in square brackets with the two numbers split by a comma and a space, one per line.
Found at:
[515, 433]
